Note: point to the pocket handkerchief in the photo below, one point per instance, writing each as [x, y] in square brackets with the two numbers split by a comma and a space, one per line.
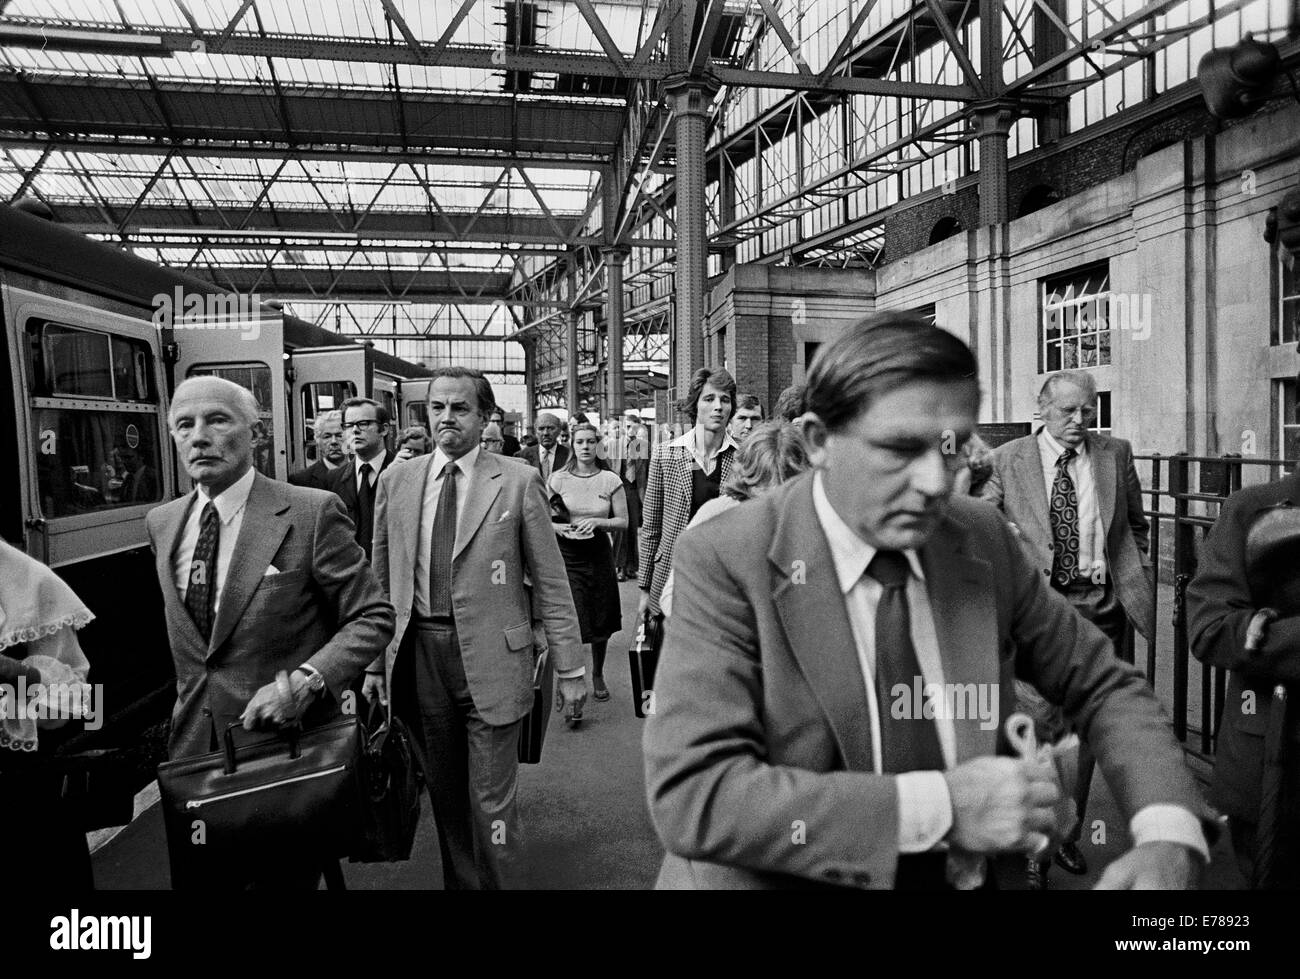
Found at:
[270, 570]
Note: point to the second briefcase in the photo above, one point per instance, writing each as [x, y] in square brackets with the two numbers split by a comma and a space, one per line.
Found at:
[643, 660]
[533, 733]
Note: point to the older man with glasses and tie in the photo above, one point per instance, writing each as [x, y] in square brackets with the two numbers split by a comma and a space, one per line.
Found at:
[1075, 497]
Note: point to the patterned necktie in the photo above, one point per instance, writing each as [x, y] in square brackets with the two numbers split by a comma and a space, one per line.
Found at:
[546, 466]
[907, 743]
[444, 540]
[1064, 517]
[201, 592]
[366, 508]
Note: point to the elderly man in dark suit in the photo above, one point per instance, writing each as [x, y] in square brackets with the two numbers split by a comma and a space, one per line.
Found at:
[1075, 497]
[1224, 604]
[271, 607]
[329, 452]
[548, 454]
[789, 746]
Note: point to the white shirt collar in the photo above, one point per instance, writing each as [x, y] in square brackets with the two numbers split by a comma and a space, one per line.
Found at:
[376, 464]
[1056, 448]
[465, 463]
[232, 499]
[849, 552]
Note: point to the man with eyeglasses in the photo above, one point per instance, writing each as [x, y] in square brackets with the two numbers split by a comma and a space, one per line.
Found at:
[365, 426]
[330, 454]
[1075, 497]
[493, 440]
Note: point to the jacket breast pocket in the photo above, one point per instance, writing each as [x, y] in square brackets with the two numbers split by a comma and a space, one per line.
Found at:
[519, 637]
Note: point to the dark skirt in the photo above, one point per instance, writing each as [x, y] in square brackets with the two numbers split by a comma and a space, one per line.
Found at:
[590, 566]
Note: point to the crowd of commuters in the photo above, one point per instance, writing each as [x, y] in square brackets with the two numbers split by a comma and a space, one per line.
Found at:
[802, 568]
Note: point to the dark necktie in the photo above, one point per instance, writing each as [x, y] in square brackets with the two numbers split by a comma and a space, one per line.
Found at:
[1064, 517]
[908, 743]
[201, 592]
[365, 509]
[444, 540]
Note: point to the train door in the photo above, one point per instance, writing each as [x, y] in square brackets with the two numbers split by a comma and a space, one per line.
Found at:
[415, 398]
[322, 379]
[385, 389]
[248, 350]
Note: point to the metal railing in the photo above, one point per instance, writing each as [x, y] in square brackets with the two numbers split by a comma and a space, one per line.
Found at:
[1186, 493]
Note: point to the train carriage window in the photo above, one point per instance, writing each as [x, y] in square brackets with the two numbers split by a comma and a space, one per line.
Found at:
[95, 460]
[417, 413]
[95, 419]
[257, 378]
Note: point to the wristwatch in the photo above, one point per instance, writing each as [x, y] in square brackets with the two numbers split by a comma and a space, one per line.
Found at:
[315, 682]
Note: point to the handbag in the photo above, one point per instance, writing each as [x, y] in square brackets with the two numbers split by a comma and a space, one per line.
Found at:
[393, 786]
[533, 733]
[643, 659]
[295, 791]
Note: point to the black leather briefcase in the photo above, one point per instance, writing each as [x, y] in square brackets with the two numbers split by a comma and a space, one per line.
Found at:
[533, 734]
[393, 786]
[643, 660]
[296, 791]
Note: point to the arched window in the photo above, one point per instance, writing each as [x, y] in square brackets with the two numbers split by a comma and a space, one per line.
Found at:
[944, 228]
[1038, 198]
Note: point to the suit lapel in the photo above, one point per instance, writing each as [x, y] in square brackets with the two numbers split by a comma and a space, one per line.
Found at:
[816, 622]
[263, 530]
[960, 589]
[408, 498]
[1103, 478]
[485, 486]
[346, 485]
[1028, 468]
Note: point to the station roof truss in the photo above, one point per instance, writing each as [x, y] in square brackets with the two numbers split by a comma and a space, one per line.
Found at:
[452, 171]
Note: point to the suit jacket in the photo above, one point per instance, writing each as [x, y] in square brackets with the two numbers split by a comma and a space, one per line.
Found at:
[530, 455]
[667, 510]
[323, 607]
[761, 719]
[343, 481]
[1220, 606]
[504, 534]
[1016, 486]
[317, 476]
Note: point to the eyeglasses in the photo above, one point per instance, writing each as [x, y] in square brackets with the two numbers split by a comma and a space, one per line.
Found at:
[494, 441]
[362, 423]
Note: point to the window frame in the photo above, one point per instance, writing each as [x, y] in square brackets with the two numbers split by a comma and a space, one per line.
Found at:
[1046, 286]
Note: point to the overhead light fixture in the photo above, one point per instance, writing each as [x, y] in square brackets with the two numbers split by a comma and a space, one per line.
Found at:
[83, 41]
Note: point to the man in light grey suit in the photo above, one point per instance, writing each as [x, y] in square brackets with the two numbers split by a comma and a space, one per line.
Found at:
[460, 537]
[790, 745]
[271, 608]
[1075, 497]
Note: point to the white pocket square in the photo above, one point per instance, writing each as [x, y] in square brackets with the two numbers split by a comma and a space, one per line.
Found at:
[271, 569]
[503, 517]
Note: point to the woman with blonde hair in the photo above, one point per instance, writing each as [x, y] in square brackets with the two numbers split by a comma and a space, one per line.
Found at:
[774, 453]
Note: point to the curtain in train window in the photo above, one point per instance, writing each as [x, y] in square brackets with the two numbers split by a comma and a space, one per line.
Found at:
[256, 378]
[88, 461]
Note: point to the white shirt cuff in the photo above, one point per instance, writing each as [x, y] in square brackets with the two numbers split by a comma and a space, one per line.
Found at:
[924, 810]
[1169, 824]
[573, 674]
